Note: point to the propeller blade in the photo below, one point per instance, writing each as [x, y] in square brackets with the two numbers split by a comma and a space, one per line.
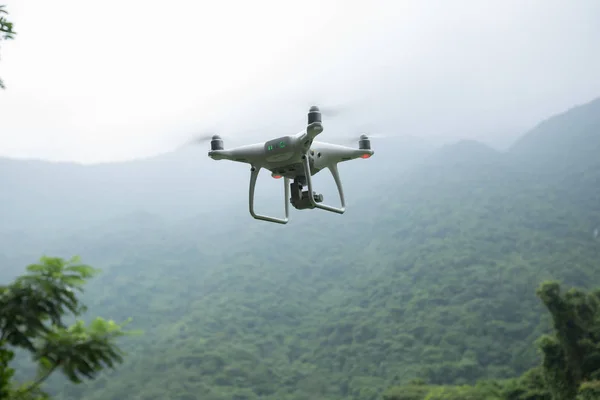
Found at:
[201, 138]
[353, 139]
[235, 139]
[327, 109]
[381, 136]
[349, 139]
[333, 111]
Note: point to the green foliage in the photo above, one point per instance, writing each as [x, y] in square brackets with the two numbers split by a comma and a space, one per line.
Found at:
[6, 27]
[483, 391]
[6, 31]
[569, 368]
[33, 310]
[445, 291]
[6, 373]
[407, 392]
[529, 386]
[572, 355]
[589, 391]
[40, 299]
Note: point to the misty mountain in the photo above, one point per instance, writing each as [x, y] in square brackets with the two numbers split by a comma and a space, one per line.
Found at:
[568, 140]
[466, 152]
[563, 151]
[430, 273]
[39, 195]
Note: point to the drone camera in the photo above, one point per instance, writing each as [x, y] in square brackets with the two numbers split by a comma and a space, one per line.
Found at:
[302, 202]
[300, 199]
[314, 115]
[216, 143]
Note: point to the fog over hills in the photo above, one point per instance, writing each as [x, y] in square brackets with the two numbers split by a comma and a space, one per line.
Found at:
[429, 274]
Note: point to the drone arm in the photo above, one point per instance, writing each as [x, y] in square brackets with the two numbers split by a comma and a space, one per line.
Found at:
[336, 176]
[247, 154]
[254, 171]
[332, 154]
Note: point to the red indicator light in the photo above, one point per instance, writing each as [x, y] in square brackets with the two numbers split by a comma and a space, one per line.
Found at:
[277, 176]
[365, 155]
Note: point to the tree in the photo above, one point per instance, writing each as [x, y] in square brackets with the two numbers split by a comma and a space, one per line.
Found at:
[571, 356]
[33, 310]
[6, 31]
[570, 368]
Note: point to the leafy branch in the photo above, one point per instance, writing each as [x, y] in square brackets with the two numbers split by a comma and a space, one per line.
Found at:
[6, 31]
[31, 317]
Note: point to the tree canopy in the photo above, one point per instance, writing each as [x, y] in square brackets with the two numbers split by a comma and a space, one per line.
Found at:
[34, 310]
[6, 30]
[570, 366]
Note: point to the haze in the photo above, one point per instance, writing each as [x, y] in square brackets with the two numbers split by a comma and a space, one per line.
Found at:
[92, 82]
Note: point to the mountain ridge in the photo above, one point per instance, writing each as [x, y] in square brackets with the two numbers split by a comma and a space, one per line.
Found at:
[568, 140]
[431, 274]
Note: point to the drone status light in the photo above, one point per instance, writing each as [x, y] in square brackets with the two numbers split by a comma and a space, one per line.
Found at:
[276, 176]
[366, 155]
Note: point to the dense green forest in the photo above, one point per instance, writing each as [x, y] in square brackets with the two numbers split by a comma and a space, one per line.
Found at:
[425, 287]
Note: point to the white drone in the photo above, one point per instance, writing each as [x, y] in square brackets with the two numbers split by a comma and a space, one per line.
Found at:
[296, 157]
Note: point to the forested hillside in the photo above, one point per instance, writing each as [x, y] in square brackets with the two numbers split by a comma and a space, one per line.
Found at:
[431, 274]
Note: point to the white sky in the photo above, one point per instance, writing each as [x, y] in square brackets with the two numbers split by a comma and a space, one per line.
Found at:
[97, 81]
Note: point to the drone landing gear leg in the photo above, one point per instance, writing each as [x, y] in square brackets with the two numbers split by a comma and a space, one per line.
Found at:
[254, 171]
[338, 182]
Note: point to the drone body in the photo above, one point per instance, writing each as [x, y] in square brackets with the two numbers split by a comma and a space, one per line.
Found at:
[296, 158]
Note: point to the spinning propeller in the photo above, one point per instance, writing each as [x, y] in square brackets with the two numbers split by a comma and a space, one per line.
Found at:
[331, 111]
[364, 135]
[205, 136]
[202, 138]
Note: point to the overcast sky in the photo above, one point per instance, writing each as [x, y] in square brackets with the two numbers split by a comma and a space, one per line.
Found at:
[96, 81]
